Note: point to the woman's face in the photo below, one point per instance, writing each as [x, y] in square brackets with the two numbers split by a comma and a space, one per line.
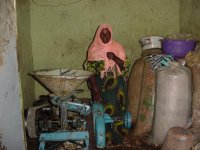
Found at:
[105, 35]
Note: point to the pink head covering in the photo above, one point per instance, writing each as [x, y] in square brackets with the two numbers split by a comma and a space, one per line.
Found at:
[98, 51]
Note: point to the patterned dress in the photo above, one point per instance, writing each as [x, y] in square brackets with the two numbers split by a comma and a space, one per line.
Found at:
[113, 91]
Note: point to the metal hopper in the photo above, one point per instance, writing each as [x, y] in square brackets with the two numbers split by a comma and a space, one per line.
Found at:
[61, 82]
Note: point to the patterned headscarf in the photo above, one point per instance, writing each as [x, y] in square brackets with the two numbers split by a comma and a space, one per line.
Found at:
[98, 51]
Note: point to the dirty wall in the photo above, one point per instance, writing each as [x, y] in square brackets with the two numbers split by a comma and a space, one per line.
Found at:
[62, 30]
[11, 126]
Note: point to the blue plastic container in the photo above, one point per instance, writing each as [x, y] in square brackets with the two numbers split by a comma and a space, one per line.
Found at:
[178, 48]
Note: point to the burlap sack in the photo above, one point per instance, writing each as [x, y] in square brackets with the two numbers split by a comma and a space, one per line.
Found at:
[192, 60]
[141, 91]
[146, 102]
[134, 87]
[172, 100]
[196, 87]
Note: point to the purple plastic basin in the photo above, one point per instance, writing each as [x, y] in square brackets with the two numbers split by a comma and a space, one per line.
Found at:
[178, 48]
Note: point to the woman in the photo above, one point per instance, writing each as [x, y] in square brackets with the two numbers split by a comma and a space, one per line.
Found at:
[108, 60]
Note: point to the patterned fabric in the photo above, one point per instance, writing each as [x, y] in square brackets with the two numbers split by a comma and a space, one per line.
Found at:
[114, 98]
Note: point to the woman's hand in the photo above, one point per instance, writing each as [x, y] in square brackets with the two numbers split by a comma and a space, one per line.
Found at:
[111, 55]
[97, 98]
[116, 59]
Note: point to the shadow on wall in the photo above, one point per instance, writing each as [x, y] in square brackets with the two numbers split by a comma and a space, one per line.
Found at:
[24, 50]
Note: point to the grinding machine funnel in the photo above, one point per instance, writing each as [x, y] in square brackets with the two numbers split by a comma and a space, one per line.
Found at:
[61, 82]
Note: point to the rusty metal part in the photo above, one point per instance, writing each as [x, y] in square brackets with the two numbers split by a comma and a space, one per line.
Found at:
[30, 121]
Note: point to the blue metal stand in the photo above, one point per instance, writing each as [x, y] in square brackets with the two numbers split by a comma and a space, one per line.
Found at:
[100, 119]
[64, 136]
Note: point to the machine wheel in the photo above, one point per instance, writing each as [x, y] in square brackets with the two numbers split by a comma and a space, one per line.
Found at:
[90, 127]
[31, 119]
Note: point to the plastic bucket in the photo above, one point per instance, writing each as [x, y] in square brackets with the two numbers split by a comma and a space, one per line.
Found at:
[150, 42]
[178, 48]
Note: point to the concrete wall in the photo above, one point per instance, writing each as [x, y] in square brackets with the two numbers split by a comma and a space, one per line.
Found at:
[190, 17]
[24, 49]
[11, 109]
[62, 30]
